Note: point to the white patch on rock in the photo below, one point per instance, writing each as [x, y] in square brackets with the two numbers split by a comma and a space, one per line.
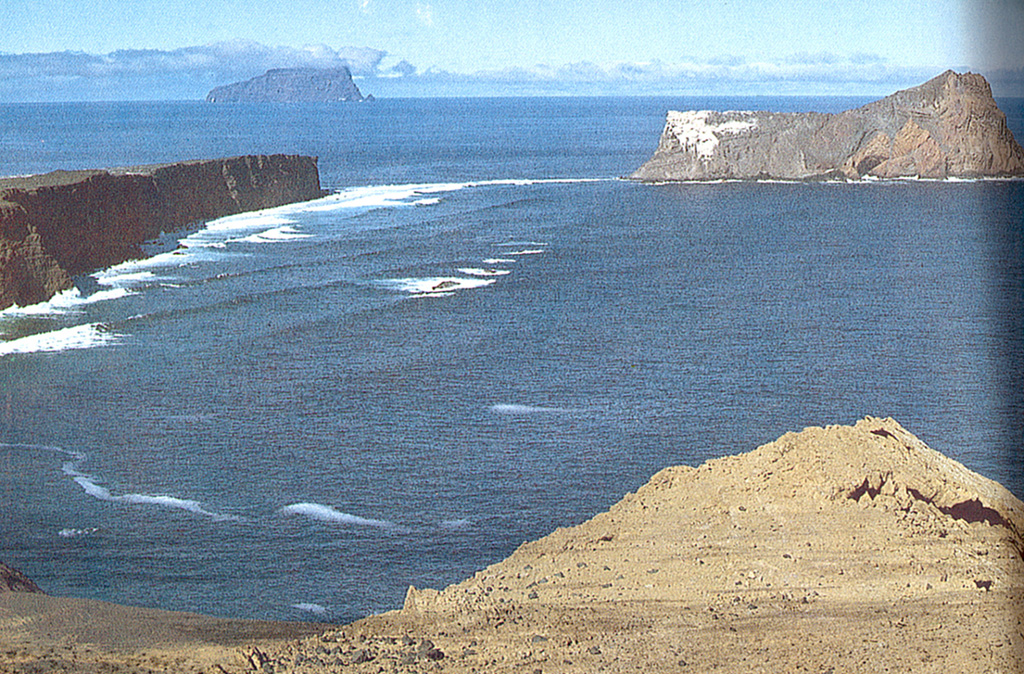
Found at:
[694, 133]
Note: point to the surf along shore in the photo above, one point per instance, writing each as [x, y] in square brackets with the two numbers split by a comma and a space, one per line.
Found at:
[847, 548]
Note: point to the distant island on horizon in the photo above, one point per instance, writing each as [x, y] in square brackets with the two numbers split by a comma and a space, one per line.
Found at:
[292, 85]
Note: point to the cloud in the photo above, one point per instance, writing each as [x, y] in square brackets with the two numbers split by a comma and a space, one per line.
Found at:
[190, 72]
[403, 68]
[800, 73]
[227, 60]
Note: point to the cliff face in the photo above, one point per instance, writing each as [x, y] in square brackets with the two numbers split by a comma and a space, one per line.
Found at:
[65, 223]
[948, 126]
[291, 85]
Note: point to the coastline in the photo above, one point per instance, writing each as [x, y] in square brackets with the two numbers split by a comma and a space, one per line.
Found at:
[61, 224]
[841, 547]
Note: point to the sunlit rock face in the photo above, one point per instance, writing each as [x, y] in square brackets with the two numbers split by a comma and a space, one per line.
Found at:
[947, 127]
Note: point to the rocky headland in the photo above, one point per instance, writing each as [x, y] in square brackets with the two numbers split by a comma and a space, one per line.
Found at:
[843, 549]
[291, 85]
[58, 225]
[947, 127]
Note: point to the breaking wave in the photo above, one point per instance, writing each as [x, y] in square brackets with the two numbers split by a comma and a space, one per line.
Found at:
[436, 286]
[325, 513]
[276, 235]
[67, 301]
[90, 486]
[473, 271]
[77, 533]
[85, 336]
[310, 607]
[513, 409]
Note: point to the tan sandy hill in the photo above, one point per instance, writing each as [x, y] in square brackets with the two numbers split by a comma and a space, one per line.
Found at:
[843, 549]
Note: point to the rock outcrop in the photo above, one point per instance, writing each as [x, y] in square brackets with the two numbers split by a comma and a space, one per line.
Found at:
[64, 223]
[949, 126]
[12, 580]
[291, 85]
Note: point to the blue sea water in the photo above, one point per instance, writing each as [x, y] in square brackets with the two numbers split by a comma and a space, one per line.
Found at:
[480, 335]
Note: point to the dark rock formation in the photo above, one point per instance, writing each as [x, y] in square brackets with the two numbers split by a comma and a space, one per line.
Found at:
[12, 580]
[291, 85]
[948, 126]
[64, 223]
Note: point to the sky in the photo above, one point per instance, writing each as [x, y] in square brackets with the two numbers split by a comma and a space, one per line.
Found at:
[180, 49]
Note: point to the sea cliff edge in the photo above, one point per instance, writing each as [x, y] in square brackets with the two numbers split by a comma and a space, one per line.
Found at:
[61, 224]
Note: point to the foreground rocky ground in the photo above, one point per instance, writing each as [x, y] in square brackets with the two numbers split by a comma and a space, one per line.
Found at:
[845, 549]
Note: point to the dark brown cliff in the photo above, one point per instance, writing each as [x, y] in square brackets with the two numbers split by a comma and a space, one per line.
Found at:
[64, 223]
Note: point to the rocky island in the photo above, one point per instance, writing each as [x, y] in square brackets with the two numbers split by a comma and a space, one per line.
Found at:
[291, 85]
[845, 548]
[947, 127]
[58, 225]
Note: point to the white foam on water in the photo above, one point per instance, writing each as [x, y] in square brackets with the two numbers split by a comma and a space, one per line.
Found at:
[461, 523]
[473, 271]
[383, 196]
[436, 285]
[258, 226]
[119, 277]
[76, 533]
[65, 302]
[389, 196]
[325, 513]
[86, 336]
[276, 235]
[520, 244]
[515, 409]
[264, 219]
[91, 487]
[310, 607]
[530, 251]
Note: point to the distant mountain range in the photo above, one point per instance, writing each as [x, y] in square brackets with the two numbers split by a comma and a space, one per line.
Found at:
[292, 85]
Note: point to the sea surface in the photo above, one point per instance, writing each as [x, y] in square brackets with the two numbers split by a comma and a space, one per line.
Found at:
[480, 335]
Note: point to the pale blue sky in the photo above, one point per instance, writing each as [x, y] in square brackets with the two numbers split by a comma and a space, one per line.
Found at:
[806, 44]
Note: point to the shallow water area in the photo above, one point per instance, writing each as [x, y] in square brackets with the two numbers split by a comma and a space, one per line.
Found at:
[301, 411]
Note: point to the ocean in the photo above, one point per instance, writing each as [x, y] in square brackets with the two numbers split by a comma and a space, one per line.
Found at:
[481, 334]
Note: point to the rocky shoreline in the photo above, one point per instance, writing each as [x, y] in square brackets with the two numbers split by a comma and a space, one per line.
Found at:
[64, 223]
[846, 548]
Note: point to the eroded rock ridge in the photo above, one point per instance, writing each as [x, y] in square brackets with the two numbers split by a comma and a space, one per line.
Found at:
[64, 223]
[947, 127]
